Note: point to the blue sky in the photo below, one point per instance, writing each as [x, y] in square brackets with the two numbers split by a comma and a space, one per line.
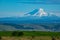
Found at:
[10, 8]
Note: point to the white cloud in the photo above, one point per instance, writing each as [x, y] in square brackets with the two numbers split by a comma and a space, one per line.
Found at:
[55, 13]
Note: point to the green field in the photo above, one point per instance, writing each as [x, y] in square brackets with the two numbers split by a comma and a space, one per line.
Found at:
[30, 33]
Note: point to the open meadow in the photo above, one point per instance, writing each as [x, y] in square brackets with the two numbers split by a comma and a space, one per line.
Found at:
[29, 35]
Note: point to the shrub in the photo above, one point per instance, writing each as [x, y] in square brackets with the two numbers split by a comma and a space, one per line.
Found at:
[53, 38]
[15, 33]
[20, 33]
[0, 38]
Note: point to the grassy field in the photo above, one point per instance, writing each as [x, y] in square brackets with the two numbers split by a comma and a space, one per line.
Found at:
[30, 33]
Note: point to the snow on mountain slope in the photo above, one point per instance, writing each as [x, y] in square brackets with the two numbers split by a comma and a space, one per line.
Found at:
[39, 12]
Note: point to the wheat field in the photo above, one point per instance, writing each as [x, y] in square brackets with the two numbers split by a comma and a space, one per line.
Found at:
[30, 38]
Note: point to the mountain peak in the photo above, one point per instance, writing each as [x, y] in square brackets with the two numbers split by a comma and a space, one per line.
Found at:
[41, 12]
[37, 12]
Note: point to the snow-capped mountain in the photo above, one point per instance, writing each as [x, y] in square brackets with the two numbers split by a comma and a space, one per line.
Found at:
[37, 19]
[39, 12]
[36, 16]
